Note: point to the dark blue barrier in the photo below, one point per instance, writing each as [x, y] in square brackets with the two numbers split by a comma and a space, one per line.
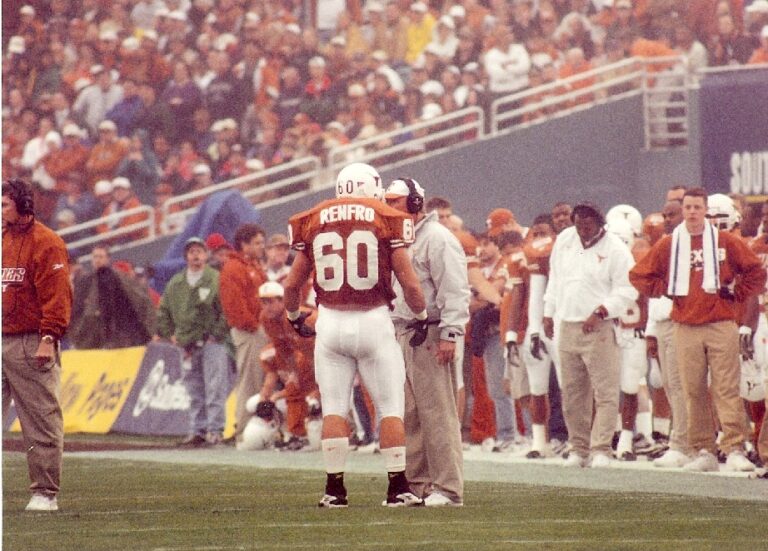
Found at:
[734, 131]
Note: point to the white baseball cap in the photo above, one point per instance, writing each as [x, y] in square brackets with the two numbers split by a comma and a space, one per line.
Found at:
[271, 289]
[102, 187]
[201, 168]
[420, 7]
[399, 188]
[121, 182]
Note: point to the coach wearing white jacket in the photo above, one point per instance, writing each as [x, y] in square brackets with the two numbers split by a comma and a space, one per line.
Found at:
[434, 464]
[588, 287]
[507, 64]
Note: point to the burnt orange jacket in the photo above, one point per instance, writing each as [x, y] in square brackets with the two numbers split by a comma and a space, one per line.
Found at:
[37, 295]
[239, 291]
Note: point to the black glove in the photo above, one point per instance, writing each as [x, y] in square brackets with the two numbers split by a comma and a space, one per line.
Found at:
[419, 332]
[726, 294]
[537, 347]
[639, 333]
[300, 327]
[746, 346]
[265, 410]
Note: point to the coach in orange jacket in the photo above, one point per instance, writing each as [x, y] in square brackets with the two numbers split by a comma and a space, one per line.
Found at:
[37, 303]
[241, 276]
[706, 272]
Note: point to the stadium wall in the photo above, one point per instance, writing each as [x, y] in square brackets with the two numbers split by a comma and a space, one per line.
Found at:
[596, 154]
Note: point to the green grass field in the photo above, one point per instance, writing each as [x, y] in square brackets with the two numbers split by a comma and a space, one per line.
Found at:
[109, 504]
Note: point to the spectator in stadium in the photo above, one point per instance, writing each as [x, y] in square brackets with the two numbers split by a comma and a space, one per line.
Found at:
[760, 55]
[434, 462]
[165, 224]
[319, 101]
[220, 250]
[75, 197]
[507, 63]
[111, 309]
[106, 155]
[588, 286]
[419, 30]
[277, 256]
[183, 97]
[36, 312]
[705, 296]
[95, 100]
[123, 199]
[241, 277]
[126, 111]
[190, 316]
[141, 168]
[70, 158]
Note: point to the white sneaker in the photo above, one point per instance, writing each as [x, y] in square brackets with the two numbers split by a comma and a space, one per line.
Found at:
[600, 461]
[737, 461]
[672, 459]
[575, 460]
[40, 502]
[704, 462]
[436, 499]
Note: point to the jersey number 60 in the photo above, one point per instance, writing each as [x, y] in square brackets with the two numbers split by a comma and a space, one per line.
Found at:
[345, 260]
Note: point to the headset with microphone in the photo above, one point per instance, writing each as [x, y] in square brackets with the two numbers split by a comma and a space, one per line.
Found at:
[415, 200]
[21, 194]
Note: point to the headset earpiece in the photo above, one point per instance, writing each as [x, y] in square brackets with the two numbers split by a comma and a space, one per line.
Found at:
[415, 202]
[21, 194]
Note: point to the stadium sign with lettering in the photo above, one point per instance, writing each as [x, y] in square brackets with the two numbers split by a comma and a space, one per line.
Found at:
[734, 131]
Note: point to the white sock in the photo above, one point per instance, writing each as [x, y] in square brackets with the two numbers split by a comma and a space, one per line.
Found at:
[539, 433]
[661, 425]
[394, 459]
[625, 442]
[643, 424]
[335, 452]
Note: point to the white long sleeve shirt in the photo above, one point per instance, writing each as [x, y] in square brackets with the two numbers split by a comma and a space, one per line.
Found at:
[507, 70]
[582, 279]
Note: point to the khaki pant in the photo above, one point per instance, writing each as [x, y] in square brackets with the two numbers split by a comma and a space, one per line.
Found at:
[590, 366]
[250, 376]
[670, 377]
[434, 459]
[713, 349]
[35, 391]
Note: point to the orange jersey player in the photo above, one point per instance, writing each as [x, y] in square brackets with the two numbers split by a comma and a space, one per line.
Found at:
[535, 352]
[353, 244]
[288, 359]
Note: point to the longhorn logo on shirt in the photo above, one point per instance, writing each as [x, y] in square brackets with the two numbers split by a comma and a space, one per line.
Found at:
[13, 276]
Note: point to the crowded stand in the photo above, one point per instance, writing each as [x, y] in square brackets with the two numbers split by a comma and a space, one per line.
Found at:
[172, 96]
[112, 109]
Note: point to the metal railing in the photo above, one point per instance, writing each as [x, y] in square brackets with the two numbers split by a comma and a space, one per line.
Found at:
[114, 236]
[264, 188]
[664, 92]
[427, 137]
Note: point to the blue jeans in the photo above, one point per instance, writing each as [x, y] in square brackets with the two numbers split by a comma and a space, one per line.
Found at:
[207, 382]
[493, 357]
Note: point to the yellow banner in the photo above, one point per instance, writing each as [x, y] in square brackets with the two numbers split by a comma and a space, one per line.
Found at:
[94, 387]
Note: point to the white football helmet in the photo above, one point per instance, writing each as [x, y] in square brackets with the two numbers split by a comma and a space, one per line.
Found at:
[628, 213]
[258, 434]
[359, 180]
[252, 402]
[622, 229]
[722, 212]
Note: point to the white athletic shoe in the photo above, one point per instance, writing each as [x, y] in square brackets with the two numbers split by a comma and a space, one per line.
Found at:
[600, 461]
[704, 462]
[488, 444]
[40, 502]
[737, 461]
[436, 499]
[672, 459]
[575, 460]
[406, 499]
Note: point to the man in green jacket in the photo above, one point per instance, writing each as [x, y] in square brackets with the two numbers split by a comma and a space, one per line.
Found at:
[190, 316]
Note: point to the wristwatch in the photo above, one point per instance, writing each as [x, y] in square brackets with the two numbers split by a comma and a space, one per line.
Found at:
[48, 339]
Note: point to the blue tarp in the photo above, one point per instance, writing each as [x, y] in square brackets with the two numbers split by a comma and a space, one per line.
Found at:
[223, 213]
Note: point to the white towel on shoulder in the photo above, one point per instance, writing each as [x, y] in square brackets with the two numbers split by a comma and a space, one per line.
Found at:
[680, 261]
